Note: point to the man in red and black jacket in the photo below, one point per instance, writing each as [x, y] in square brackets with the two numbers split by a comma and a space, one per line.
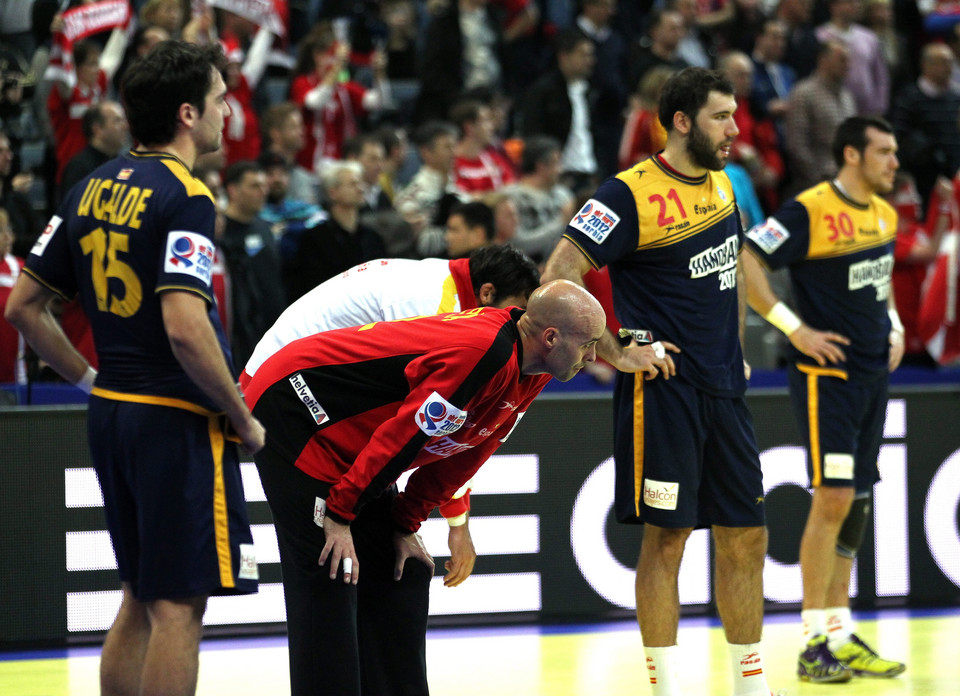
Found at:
[347, 412]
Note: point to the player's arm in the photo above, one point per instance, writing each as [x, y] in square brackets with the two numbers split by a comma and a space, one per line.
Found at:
[897, 346]
[195, 345]
[822, 346]
[463, 554]
[27, 309]
[569, 262]
[742, 314]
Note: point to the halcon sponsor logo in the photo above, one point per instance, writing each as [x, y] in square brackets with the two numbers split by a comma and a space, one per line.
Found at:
[660, 494]
[308, 399]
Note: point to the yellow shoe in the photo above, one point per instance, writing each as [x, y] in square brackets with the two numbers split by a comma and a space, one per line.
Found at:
[859, 657]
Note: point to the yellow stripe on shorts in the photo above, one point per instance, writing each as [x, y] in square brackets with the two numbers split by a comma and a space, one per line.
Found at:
[221, 527]
[813, 413]
[637, 440]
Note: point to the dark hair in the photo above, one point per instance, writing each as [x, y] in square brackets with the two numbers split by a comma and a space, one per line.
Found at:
[688, 91]
[853, 133]
[389, 137]
[567, 41]
[320, 38]
[353, 147]
[82, 50]
[477, 214]
[465, 111]
[156, 85]
[275, 115]
[536, 150]
[510, 270]
[427, 134]
[236, 171]
[92, 117]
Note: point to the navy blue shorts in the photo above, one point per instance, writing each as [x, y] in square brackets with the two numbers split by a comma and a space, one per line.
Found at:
[841, 423]
[684, 458]
[174, 500]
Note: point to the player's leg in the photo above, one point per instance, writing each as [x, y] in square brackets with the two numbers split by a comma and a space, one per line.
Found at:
[739, 557]
[823, 574]
[125, 648]
[172, 659]
[658, 597]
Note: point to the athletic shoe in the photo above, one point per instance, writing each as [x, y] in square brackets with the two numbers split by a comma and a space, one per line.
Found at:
[860, 657]
[817, 664]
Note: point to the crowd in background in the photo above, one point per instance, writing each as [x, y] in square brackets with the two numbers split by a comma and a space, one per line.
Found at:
[420, 128]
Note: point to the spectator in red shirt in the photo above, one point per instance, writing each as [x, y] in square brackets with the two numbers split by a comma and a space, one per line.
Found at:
[241, 130]
[11, 344]
[477, 167]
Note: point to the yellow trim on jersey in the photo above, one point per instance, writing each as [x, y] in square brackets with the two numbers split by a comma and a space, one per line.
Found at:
[184, 288]
[813, 413]
[221, 527]
[154, 401]
[596, 266]
[690, 231]
[194, 186]
[45, 284]
[840, 226]
[448, 296]
[637, 440]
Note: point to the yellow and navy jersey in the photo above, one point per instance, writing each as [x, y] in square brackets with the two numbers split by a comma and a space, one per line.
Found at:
[840, 256]
[671, 243]
[139, 225]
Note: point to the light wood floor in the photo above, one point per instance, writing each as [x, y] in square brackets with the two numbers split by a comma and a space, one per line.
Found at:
[603, 660]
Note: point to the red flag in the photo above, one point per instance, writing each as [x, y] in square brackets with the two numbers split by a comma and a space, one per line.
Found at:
[937, 320]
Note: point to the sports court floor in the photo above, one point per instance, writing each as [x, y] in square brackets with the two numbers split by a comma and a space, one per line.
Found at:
[602, 660]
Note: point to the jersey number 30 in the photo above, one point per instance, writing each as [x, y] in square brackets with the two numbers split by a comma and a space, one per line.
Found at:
[106, 265]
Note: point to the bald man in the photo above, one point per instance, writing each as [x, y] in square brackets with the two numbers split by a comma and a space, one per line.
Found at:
[347, 412]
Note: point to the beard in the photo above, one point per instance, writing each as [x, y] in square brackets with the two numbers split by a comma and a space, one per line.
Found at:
[703, 152]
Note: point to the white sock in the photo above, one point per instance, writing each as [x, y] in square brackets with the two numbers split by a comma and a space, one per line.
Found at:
[814, 623]
[662, 670]
[748, 676]
[839, 626]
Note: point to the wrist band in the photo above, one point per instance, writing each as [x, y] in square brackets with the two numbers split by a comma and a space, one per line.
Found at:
[783, 318]
[85, 383]
[895, 323]
[457, 521]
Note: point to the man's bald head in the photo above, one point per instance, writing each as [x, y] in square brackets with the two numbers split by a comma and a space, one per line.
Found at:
[560, 329]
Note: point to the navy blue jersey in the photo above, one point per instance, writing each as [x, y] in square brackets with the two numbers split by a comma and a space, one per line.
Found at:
[840, 256]
[137, 226]
[671, 243]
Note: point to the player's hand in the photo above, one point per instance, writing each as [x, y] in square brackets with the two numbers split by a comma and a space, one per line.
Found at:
[649, 359]
[822, 346]
[252, 435]
[462, 556]
[22, 182]
[747, 370]
[339, 547]
[410, 546]
[896, 349]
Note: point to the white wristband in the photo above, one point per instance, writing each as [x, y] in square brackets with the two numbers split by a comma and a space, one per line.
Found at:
[783, 318]
[457, 521]
[85, 383]
[895, 323]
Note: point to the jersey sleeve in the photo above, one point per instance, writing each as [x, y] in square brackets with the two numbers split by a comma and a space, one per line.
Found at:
[49, 259]
[606, 228]
[187, 261]
[784, 238]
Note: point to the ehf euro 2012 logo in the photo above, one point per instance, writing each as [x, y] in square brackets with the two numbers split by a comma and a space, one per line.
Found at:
[595, 220]
[189, 253]
[438, 417]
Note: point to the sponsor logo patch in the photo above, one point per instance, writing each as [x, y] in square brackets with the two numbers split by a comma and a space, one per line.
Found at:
[319, 511]
[438, 417]
[189, 253]
[446, 447]
[660, 494]
[46, 236]
[309, 400]
[770, 235]
[595, 220]
[248, 563]
[838, 466]
[124, 174]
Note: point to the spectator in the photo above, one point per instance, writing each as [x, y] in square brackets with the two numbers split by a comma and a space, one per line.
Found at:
[396, 150]
[802, 45]
[23, 219]
[544, 206]
[470, 226]
[11, 344]
[144, 39]
[369, 152]
[925, 121]
[560, 105]
[692, 48]
[332, 106]
[772, 78]
[252, 261]
[426, 201]
[817, 105]
[660, 46]
[462, 49]
[400, 18]
[287, 215]
[868, 77]
[506, 218]
[477, 167]
[339, 242]
[878, 18]
[608, 80]
[643, 134]
[241, 134]
[285, 136]
[106, 132]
